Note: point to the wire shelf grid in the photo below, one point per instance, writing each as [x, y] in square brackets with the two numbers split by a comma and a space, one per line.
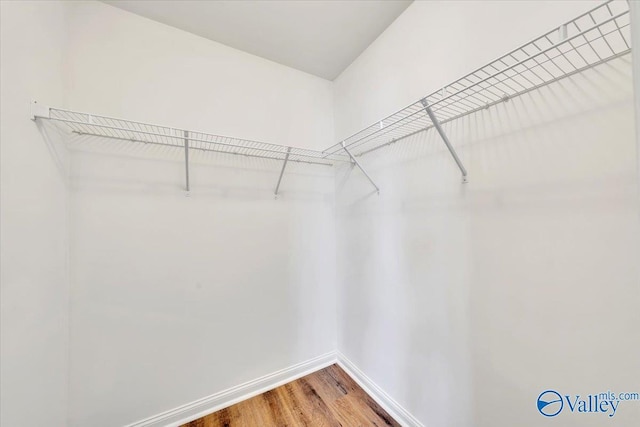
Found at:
[593, 38]
[109, 127]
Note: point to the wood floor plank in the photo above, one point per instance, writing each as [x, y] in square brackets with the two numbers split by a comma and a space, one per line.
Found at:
[326, 386]
[349, 412]
[342, 380]
[326, 398]
[279, 409]
[300, 416]
[320, 413]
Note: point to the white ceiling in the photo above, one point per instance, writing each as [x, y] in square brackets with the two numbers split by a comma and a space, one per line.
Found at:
[318, 37]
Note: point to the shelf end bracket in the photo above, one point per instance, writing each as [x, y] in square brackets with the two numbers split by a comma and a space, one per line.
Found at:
[39, 111]
[436, 124]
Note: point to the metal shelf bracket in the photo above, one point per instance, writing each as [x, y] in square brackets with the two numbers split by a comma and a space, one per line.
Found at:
[186, 158]
[284, 165]
[355, 162]
[436, 124]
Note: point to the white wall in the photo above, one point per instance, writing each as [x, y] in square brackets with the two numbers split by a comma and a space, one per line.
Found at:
[33, 212]
[635, 33]
[143, 70]
[464, 302]
[175, 298]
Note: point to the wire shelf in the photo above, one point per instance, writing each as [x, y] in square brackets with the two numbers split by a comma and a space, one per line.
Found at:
[593, 38]
[109, 127]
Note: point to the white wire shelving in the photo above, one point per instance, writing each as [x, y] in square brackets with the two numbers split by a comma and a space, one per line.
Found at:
[139, 132]
[128, 130]
[591, 39]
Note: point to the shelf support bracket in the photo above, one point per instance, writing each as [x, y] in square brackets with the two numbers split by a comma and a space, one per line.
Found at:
[436, 124]
[355, 162]
[284, 165]
[186, 157]
[39, 111]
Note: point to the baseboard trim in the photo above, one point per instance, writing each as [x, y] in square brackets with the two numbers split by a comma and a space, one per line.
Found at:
[206, 405]
[392, 407]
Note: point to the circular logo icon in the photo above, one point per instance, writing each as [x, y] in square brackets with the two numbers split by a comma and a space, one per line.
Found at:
[550, 403]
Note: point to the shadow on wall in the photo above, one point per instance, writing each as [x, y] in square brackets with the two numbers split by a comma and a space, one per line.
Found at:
[55, 138]
[465, 301]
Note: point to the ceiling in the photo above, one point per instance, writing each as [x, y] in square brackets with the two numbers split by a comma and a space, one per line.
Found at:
[318, 37]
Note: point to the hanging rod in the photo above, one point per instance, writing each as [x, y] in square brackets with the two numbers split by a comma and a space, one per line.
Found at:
[591, 39]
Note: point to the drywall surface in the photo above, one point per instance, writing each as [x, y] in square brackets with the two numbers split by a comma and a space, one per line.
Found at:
[635, 30]
[465, 301]
[177, 297]
[132, 67]
[33, 212]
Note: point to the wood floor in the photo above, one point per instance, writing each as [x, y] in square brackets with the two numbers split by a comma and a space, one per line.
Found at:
[328, 397]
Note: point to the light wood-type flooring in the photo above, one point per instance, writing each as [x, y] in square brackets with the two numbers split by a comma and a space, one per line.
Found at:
[328, 397]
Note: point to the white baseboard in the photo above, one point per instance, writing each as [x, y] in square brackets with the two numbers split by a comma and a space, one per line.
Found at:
[206, 405]
[201, 407]
[392, 407]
